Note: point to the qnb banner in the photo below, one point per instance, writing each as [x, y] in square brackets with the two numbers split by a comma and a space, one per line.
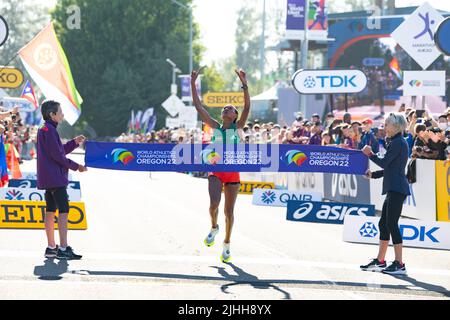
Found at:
[280, 198]
[326, 212]
[26, 194]
[22, 183]
[415, 233]
[224, 158]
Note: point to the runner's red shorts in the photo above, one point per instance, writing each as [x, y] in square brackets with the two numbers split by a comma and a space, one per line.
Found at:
[227, 177]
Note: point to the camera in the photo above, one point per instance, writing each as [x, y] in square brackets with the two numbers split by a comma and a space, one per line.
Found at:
[419, 149]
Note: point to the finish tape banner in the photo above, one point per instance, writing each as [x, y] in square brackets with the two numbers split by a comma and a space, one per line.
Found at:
[224, 158]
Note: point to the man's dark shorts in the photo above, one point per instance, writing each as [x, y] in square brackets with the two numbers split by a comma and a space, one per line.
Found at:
[57, 199]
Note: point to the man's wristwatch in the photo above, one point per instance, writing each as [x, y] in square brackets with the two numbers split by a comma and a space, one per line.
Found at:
[244, 87]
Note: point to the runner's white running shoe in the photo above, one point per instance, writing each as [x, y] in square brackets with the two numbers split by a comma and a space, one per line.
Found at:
[209, 240]
[226, 254]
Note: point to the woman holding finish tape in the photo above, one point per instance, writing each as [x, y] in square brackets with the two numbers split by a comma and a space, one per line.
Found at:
[396, 189]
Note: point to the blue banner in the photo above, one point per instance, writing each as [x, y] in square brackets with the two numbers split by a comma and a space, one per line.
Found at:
[224, 158]
[325, 212]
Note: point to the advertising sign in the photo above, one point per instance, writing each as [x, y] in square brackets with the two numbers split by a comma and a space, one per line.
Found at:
[25, 194]
[247, 187]
[346, 188]
[329, 81]
[317, 20]
[10, 77]
[416, 35]
[221, 99]
[173, 105]
[415, 233]
[279, 198]
[443, 191]
[4, 31]
[22, 183]
[23, 104]
[373, 62]
[424, 83]
[186, 87]
[30, 215]
[442, 36]
[325, 212]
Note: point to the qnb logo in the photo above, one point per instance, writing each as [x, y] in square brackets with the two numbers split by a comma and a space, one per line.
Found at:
[303, 211]
[210, 157]
[268, 197]
[309, 82]
[122, 155]
[297, 157]
[14, 195]
[415, 83]
[368, 230]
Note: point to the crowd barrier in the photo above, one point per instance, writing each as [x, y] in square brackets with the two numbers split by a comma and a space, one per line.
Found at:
[429, 199]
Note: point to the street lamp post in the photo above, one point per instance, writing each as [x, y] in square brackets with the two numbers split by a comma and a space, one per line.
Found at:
[175, 70]
[190, 33]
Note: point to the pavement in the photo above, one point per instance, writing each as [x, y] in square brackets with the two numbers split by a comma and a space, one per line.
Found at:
[145, 241]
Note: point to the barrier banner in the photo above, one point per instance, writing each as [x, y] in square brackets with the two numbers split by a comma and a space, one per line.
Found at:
[325, 212]
[415, 233]
[224, 158]
[248, 187]
[443, 191]
[33, 176]
[280, 198]
[26, 194]
[22, 183]
[30, 215]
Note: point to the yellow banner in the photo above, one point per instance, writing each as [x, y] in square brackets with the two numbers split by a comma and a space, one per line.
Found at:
[30, 215]
[443, 191]
[10, 77]
[248, 186]
[221, 99]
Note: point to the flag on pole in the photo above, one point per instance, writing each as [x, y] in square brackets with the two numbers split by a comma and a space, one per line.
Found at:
[28, 93]
[395, 67]
[46, 62]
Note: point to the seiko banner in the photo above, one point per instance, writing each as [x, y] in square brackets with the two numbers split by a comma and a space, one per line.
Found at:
[279, 198]
[325, 212]
[346, 188]
[329, 81]
[19, 183]
[224, 158]
[19, 194]
[415, 233]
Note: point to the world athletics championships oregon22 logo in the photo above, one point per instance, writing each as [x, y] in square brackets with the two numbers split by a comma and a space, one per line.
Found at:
[210, 156]
[122, 155]
[415, 83]
[295, 156]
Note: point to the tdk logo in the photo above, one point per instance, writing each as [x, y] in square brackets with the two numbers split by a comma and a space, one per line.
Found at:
[329, 81]
[368, 230]
[337, 81]
[325, 212]
[418, 233]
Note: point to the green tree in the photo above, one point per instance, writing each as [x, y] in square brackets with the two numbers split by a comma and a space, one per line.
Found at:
[118, 56]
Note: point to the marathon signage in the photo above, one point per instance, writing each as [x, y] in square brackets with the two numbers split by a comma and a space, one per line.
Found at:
[249, 187]
[224, 158]
[415, 233]
[329, 81]
[30, 215]
[325, 212]
[10, 77]
[19, 194]
[280, 198]
[22, 183]
[221, 99]
[23, 104]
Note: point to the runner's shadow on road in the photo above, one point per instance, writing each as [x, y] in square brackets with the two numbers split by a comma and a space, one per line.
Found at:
[51, 270]
[423, 285]
[243, 277]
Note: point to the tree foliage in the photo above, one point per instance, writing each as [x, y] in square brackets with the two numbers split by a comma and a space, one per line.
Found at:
[118, 57]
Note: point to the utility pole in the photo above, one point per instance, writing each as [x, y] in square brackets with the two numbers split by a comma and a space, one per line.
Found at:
[304, 64]
[262, 45]
[191, 56]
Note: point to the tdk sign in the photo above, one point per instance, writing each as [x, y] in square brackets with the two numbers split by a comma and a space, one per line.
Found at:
[325, 212]
[329, 81]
